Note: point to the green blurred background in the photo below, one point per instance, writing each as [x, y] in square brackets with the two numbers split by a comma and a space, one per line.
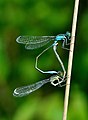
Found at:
[40, 17]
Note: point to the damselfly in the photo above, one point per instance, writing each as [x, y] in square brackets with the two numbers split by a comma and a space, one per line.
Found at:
[25, 90]
[33, 42]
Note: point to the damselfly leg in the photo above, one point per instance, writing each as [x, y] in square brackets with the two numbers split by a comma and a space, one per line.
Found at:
[65, 40]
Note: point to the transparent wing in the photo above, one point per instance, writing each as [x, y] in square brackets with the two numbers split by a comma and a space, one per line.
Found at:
[33, 42]
[25, 90]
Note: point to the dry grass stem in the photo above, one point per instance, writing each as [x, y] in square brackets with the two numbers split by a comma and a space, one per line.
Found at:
[70, 59]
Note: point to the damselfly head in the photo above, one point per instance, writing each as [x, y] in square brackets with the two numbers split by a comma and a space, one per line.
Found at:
[60, 74]
[68, 35]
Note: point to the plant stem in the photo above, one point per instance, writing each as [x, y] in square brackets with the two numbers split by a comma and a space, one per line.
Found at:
[66, 100]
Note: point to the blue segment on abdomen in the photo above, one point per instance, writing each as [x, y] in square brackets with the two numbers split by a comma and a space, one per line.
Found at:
[58, 37]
